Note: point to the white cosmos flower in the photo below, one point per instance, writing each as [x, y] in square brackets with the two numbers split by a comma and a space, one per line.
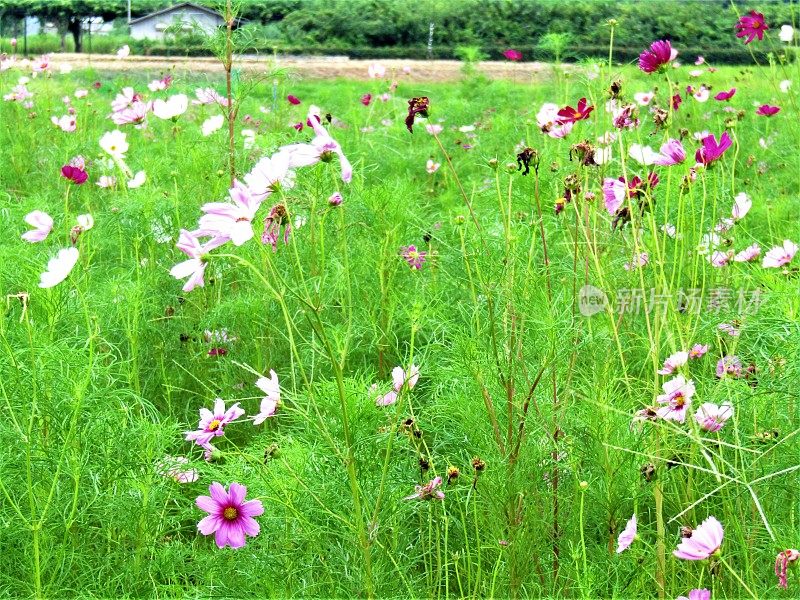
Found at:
[137, 181]
[114, 144]
[786, 33]
[85, 222]
[212, 124]
[644, 155]
[124, 52]
[172, 107]
[59, 267]
[785, 85]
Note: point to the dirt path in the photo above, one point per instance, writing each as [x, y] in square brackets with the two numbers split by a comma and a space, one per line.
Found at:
[312, 67]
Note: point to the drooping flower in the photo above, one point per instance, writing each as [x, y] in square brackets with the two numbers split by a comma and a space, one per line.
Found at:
[749, 254]
[415, 258]
[705, 541]
[677, 398]
[711, 417]
[698, 350]
[276, 220]
[765, 110]
[513, 55]
[335, 199]
[171, 108]
[212, 424]
[232, 220]
[417, 106]
[174, 467]
[670, 153]
[386, 399]
[42, 224]
[725, 96]
[673, 362]
[751, 26]
[194, 267]
[428, 491]
[658, 56]
[729, 365]
[782, 561]
[366, 99]
[269, 403]
[229, 518]
[627, 535]
[697, 594]
[59, 267]
[568, 114]
[713, 150]
[780, 255]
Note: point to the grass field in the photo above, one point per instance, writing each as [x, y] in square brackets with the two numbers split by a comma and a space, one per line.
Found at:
[539, 416]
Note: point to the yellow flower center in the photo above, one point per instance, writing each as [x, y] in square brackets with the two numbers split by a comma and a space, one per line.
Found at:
[230, 513]
[214, 425]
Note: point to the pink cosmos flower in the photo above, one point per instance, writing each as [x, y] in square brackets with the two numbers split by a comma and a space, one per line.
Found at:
[713, 150]
[725, 96]
[698, 350]
[711, 417]
[729, 365]
[19, 93]
[321, 149]
[195, 267]
[659, 54]
[780, 255]
[366, 99]
[209, 96]
[386, 399]
[751, 26]
[677, 397]
[729, 329]
[627, 535]
[741, 206]
[697, 594]
[765, 110]
[702, 94]
[433, 129]
[673, 362]
[42, 224]
[376, 71]
[415, 258]
[719, 259]
[59, 267]
[125, 99]
[269, 403]
[513, 55]
[573, 115]
[400, 377]
[428, 491]
[749, 254]
[643, 98]
[231, 220]
[42, 64]
[135, 114]
[67, 123]
[670, 153]
[269, 173]
[75, 174]
[704, 542]
[335, 199]
[640, 260]
[782, 561]
[174, 467]
[229, 518]
[294, 100]
[613, 194]
[431, 167]
[212, 424]
[159, 85]
[700, 60]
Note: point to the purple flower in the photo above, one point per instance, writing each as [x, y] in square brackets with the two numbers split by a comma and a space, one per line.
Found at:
[725, 96]
[659, 54]
[212, 424]
[75, 174]
[751, 26]
[613, 194]
[415, 258]
[428, 491]
[765, 110]
[713, 150]
[229, 518]
[627, 535]
[697, 594]
[704, 542]
[671, 153]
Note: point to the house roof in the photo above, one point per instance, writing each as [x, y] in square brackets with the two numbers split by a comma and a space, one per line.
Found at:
[191, 5]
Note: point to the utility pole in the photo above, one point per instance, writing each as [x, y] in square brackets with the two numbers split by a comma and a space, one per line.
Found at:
[129, 12]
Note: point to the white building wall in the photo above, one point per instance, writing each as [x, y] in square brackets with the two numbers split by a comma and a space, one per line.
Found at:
[152, 28]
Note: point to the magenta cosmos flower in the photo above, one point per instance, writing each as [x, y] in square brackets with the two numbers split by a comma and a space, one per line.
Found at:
[573, 115]
[229, 518]
[75, 174]
[659, 54]
[677, 398]
[765, 110]
[780, 255]
[782, 561]
[513, 55]
[627, 535]
[697, 594]
[670, 153]
[725, 96]
[711, 417]
[212, 424]
[428, 491]
[704, 542]
[751, 26]
[293, 100]
[712, 149]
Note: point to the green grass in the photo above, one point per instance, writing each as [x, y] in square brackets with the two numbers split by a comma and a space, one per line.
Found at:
[102, 374]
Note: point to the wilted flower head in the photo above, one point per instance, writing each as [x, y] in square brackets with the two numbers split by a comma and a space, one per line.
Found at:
[416, 106]
[276, 219]
[704, 542]
[229, 518]
[751, 26]
[782, 561]
[428, 491]
[627, 535]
